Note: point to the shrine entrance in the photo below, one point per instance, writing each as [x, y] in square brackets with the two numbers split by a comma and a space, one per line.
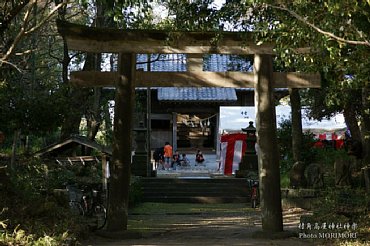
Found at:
[194, 45]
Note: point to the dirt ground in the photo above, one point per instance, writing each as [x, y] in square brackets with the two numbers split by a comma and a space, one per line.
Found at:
[214, 226]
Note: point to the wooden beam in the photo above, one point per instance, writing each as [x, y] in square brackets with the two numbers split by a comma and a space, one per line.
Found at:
[100, 40]
[297, 80]
[195, 79]
[94, 78]
[194, 63]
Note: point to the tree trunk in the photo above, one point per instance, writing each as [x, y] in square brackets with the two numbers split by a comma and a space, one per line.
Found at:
[121, 163]
[94, 115]
[78, 102]
[366, 125]
[350, 118]
[268, 155]
[72, 119]
[17, 134]
[295, 101]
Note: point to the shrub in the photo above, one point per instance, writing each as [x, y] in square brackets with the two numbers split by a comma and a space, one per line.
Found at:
[135, 195]
[31, 214]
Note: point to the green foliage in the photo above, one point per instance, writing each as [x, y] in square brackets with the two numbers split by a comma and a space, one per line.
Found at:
[284, 177]
[343, 205]
[21, 237]
[284, 134]
[323, 156]
[58, 174]
[135, 195]
[33, 214]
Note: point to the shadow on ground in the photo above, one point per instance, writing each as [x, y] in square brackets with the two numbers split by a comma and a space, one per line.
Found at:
[202, 224]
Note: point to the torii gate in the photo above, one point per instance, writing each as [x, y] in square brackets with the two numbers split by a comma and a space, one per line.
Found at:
[128, 43]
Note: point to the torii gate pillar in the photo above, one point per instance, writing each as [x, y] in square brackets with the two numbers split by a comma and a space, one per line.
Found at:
[268, 155]
[121, 157]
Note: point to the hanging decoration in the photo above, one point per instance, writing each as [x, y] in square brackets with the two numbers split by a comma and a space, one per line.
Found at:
[203, 123]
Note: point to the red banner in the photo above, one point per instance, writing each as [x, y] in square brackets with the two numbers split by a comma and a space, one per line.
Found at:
[233, 147]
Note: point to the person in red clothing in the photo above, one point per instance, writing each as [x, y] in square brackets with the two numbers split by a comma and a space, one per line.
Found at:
[167, 155]
[199, 159]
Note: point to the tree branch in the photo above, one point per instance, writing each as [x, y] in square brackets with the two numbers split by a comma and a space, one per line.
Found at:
[23, 31]
[10, 64]
[157, 59]
[328, 34]
[42, 22]
[12, 14]
[19, 35]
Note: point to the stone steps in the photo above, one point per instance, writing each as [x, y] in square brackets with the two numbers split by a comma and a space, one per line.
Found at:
[195, 190]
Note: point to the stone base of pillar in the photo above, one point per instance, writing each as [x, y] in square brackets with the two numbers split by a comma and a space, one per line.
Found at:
[247, 166]
[249, 174]
[139, 165]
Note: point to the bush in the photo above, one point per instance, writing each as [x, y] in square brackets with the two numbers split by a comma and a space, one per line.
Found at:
[135, 195]
[31, 214]
[284, 134]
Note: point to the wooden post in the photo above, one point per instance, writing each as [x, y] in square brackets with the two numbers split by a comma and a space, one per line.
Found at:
[149, 129]
[218, 136]
[104, 172]
[121, 159]
[195, 62]
[268, 155]
[295, 102]
[174, 131]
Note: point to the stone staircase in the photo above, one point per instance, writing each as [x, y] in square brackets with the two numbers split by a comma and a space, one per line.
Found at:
[195, 190]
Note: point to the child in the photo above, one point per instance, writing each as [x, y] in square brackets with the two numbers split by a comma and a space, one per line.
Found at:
[185, 161]
[199, 159]
[175, 159]
[158, 158]
[167, 155]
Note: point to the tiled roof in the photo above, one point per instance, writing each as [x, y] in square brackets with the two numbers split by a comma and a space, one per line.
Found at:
[209, 94]
[177, 63]
[212, 62]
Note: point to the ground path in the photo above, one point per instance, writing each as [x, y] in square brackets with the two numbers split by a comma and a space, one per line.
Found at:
[215, 225]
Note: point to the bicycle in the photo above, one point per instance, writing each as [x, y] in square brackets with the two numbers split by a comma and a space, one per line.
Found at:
[254, 193]
[87, 203]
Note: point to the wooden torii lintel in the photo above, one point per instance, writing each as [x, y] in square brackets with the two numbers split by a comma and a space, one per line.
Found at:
[195, 44]
[194, 79]
[109, 40]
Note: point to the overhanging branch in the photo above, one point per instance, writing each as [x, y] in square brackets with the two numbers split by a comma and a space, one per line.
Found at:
[319, 30]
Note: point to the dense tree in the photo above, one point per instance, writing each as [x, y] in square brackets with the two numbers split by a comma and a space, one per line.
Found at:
[337, 33]
[21, 19]
[31, 93]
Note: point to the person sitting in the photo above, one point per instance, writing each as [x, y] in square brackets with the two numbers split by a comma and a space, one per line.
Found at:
[176, 159]
[199, 159]
[185, 161]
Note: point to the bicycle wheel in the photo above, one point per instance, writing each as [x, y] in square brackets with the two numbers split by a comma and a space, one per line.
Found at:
[76, 208]
[99, 213]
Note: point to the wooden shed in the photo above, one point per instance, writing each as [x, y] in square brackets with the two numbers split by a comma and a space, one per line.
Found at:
[78, 150]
